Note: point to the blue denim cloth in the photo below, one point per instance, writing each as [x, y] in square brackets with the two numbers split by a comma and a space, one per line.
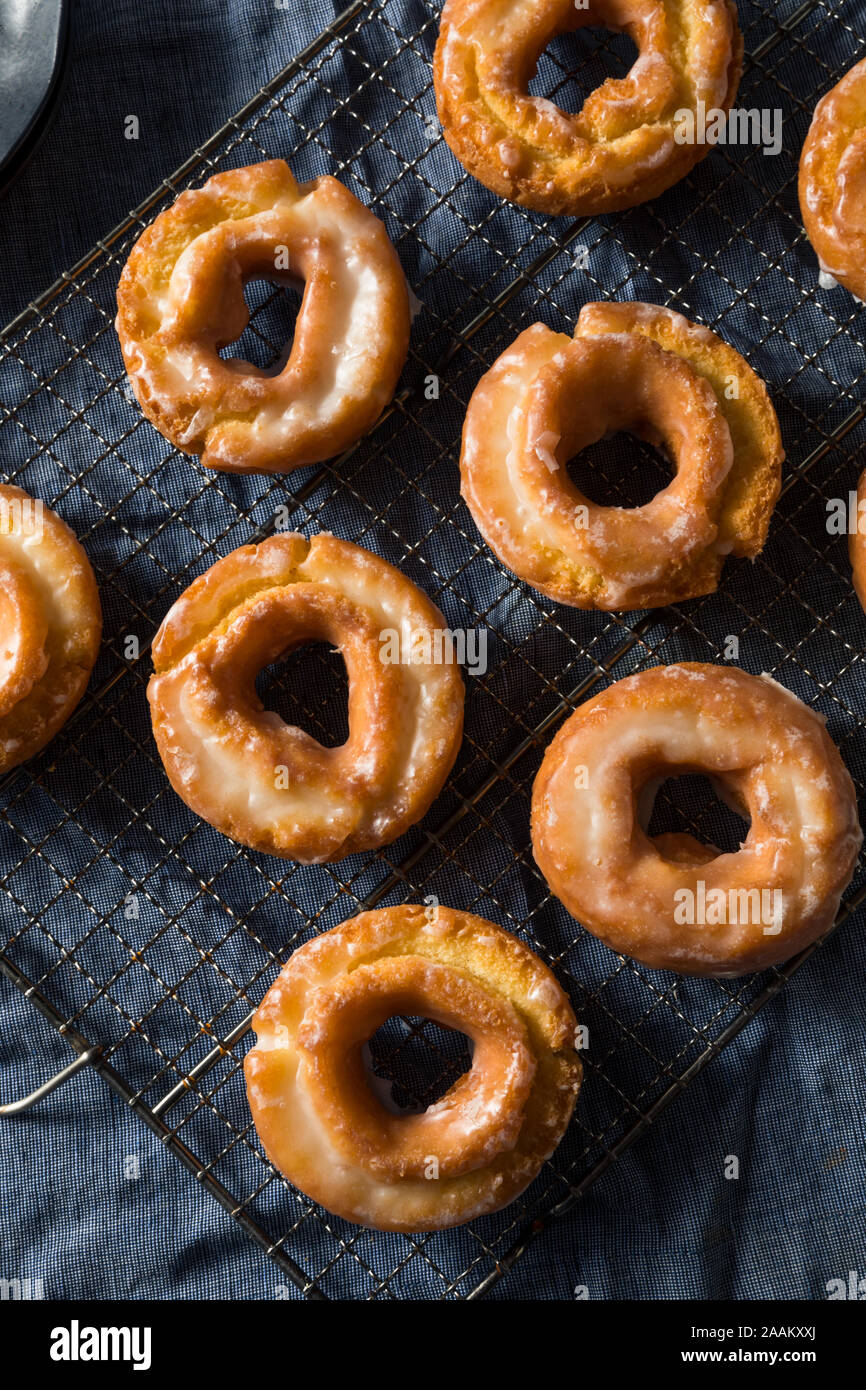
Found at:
[91, 1204]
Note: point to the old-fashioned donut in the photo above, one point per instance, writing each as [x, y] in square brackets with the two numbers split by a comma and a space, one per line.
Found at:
[671, 901]
[628, 143]
[635, 367]
[832, 181]
[274, 787]
[180, 299]
[476, 1148]
[50, 625]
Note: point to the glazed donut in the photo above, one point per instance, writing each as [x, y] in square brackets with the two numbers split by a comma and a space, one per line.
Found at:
[832, 181]
[670, 901]
[635, 367]
[274, 787]
[476, 1148]
[51, 624]
[623, 147]
[180, 299]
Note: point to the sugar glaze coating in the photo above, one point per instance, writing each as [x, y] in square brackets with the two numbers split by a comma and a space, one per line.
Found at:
[768, 753]
[622, 147]
[50, 625]
[180, 299]
[476, 1148]
[648, 370]
[273, 786]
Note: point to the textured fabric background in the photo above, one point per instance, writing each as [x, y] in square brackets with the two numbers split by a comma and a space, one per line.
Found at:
[786, 1096]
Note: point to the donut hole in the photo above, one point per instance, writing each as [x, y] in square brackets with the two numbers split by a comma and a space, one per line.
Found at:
[412, 1062]
[309, 689]
[621, 470]
[691, 803]
[573, 65]
[267, 340]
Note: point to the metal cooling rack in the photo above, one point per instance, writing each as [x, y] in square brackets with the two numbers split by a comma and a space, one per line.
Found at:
[144, 936]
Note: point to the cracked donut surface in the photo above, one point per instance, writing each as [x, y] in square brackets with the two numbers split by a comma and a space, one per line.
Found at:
[647, 370]
[477, 1147]
[832, 181]
[180, 300]
[50, 625]
[622, 147]
[273, 786]
[669, 900]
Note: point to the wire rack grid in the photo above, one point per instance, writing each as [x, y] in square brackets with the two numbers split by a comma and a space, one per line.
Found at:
[140, 931]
